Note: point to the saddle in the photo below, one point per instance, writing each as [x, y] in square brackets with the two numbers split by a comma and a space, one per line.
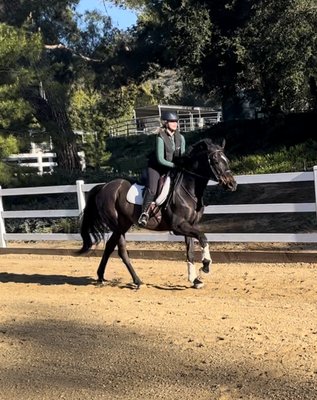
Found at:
[136, 191]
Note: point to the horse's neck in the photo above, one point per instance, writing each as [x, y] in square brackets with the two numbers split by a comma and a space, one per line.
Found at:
[192, 184]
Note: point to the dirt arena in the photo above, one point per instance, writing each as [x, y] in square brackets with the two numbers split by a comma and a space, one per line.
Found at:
[250, 333]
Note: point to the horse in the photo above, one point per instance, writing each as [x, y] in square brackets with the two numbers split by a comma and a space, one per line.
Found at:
[107, 209]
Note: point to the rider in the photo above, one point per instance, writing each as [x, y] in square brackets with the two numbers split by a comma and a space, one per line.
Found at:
[169, 144]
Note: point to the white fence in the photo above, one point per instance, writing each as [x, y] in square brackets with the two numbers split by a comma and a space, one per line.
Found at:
[149, 125]
[81, 188]
[44, 162]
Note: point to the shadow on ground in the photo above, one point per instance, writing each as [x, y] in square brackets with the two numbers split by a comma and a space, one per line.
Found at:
[40, 279]
[75, 360]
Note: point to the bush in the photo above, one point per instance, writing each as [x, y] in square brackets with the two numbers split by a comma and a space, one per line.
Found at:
[301, 157]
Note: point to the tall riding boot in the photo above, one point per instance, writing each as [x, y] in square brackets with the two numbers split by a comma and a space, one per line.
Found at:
[147, 201]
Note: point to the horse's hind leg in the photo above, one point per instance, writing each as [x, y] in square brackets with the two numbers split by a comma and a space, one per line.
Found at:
[122, 251]
[110, 246]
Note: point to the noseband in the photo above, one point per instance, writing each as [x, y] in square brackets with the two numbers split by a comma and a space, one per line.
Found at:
[217, 174]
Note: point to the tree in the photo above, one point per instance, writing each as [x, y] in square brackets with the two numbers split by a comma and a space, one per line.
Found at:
[281, 60]
[81, 57]
[56, 69]
[234, 48]
[17, 51]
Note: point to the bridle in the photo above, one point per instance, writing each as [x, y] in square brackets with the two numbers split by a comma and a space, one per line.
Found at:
[217, 174]
[215, 171]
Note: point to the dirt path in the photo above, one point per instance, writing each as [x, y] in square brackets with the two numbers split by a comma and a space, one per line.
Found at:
[251, 333]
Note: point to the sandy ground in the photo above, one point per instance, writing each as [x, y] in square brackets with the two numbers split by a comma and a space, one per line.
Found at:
[250, 333]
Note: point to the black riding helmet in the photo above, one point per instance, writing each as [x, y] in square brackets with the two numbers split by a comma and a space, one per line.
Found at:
[169, 116]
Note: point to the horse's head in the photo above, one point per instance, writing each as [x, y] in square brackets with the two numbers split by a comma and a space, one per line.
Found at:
[208, 160]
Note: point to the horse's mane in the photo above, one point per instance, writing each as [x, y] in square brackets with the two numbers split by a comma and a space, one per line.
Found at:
[198, 147]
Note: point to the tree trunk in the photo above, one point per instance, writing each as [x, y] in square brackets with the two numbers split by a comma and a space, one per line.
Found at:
[52, 114]
[64, 142]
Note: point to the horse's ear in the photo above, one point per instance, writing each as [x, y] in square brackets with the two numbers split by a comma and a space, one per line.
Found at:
[223, 143]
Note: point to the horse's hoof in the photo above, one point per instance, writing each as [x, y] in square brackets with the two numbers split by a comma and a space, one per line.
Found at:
[135, 286]
[205, 267]
[139, 285]
[198, 284]
[100, 282]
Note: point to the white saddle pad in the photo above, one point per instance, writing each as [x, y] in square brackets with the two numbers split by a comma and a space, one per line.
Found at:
[135, 193]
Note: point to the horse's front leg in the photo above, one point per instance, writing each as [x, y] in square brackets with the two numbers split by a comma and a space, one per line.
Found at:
[205, 256]
[205, 259]
[192, 232]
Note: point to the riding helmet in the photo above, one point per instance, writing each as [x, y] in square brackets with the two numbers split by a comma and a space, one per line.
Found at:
[169, 116]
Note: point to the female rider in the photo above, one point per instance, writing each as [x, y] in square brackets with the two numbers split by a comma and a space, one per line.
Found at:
[169, 145]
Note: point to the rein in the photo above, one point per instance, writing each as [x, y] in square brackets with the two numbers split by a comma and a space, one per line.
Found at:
[194, 174]
[212, 168]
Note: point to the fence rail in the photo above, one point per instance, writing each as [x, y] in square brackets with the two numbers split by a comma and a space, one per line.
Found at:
[148, 125]
[43, 162]
[81, 188]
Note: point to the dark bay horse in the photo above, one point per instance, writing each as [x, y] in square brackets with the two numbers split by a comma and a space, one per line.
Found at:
[108, 209]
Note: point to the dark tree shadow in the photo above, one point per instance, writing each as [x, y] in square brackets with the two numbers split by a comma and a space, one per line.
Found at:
[110, 359]
[40, 279]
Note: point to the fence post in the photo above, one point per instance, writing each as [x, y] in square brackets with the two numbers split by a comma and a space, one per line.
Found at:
[40, 163]
[80, 196]
[2, 226]
[315, 182]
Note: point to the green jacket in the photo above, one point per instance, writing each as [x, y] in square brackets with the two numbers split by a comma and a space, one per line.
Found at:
[168, 147]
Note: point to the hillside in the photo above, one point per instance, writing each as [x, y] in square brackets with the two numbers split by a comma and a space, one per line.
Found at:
[243, 138]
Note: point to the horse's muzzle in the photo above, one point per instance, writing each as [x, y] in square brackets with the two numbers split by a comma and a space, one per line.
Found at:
[228, 182]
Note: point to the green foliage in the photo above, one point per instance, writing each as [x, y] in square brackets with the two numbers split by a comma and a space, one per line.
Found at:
[235, 50]
[8, 145]
[6, 175]
[18, 50]
[280, 44]
[60, 71]
[221, 49]
[189, 27]
[296, 158]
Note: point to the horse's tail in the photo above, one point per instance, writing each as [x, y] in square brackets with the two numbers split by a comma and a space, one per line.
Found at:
[91, 222]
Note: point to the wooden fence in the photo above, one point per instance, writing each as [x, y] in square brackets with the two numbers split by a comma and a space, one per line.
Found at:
[81, 188]
[43, 162]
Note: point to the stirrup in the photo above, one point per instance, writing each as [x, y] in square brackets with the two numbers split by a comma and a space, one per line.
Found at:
[144, 218]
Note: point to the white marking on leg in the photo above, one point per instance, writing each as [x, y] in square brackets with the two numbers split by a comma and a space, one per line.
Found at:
[205, 253]
[192, 274]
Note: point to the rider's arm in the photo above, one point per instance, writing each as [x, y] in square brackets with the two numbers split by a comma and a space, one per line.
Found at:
[160, 154]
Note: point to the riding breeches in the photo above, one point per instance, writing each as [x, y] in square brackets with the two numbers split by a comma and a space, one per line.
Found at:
[153, 177]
